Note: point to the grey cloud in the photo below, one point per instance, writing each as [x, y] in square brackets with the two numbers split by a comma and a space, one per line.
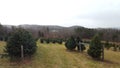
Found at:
[104, 19]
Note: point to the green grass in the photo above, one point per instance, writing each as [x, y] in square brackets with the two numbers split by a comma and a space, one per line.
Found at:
[56, 56]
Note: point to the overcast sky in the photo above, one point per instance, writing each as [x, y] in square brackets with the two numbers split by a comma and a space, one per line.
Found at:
[87, 13]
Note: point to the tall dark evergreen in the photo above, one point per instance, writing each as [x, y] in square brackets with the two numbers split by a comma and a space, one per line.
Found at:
[3, 33]
[20, 38]
[96, 49]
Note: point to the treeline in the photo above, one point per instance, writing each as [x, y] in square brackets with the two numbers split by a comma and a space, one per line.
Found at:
[51, 40]
[110, 35]
[4, 33]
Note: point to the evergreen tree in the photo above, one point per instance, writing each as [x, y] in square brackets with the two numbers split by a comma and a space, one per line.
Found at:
[20, 38]
[59, 41]
[47, 41]
[70, 43]
[41, 40]
[107, 45]
[2, 33]
[96, 49]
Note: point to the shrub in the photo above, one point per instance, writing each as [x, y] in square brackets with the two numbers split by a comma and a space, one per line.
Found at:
[18, 38]
[47, 41]
[59, 41]
[107, 45]
[41, 40]
[70, 43]
[53, 40]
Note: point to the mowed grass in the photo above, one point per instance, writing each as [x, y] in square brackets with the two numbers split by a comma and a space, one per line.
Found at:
[57, 56]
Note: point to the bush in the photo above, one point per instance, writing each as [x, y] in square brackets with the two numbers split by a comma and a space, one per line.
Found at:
[53, 41]
[47, 41]
[107, 45]
[41, 40]
[59, 41]
[18, 38]
[95, 49]
[70, 43]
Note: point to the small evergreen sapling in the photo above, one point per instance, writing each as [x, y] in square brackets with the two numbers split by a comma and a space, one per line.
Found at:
[70, 43]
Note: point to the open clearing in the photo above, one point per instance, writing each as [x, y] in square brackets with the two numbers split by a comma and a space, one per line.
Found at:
[56, 56]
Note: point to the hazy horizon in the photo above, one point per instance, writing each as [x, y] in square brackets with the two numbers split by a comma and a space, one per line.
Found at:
[86, 13]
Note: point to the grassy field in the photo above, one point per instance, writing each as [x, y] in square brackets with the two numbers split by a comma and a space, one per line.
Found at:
[56, 56]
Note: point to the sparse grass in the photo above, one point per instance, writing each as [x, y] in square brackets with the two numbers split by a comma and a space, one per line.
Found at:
[56, 56]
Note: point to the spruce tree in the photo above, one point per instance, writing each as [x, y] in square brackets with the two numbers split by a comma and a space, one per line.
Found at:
[20, 38]
[107, 45]
[96, 49]
[70, 43]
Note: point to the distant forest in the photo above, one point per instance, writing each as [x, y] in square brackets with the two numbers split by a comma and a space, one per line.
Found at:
[38, 31]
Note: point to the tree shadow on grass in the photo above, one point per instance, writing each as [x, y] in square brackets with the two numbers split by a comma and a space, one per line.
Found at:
[20, 62]
[90, 58]
[110, 62]
[77, 52]
[103, 61]
[74, 51]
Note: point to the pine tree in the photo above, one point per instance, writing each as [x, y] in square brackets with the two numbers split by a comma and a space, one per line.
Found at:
[107, 45]
[47, 41]
[20, 38]
[96, 49]
[70, 43]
